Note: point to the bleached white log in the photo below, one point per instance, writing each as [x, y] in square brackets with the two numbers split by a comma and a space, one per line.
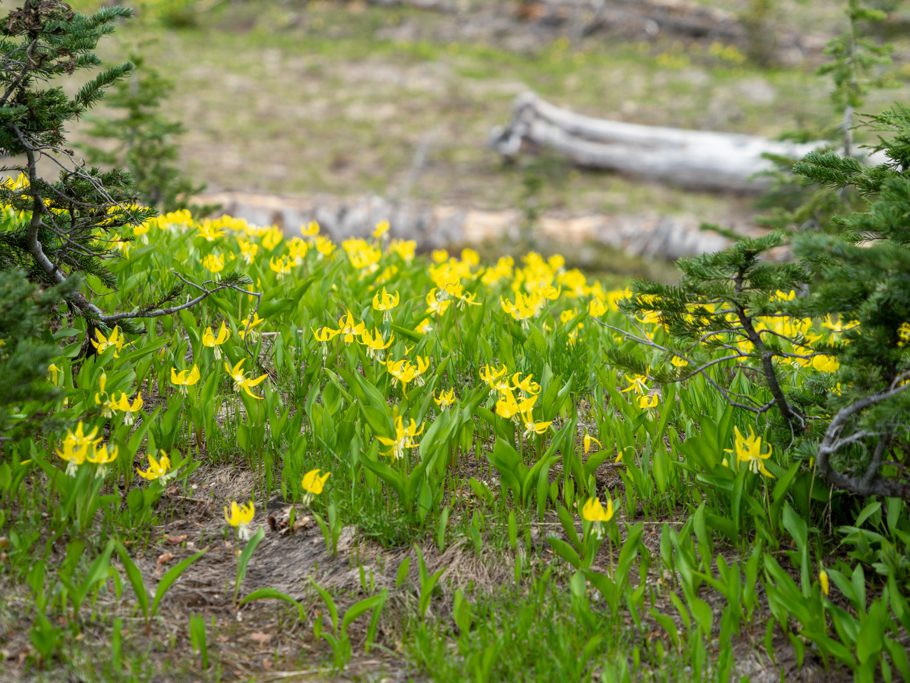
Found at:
[689, 158]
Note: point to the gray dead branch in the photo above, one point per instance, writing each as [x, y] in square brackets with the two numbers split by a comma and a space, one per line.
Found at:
[703, 160]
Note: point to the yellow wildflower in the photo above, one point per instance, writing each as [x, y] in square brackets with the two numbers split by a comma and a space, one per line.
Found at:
[588, 440]
[406, 372]
[749, 449]
[532, 427]
[325, 246]
[647, 401]
[404, 438]
[240, 517]
[185, 378]
[382, 227]
[593, 510]
[102, 457]
[282, 265]
[383, 301]
[405, 249]
[241, 381]
[297, 250]
[124, 406]
[312, 484]
[636, 383]
[214, 263]
[325, 334]
[102, 343]
[494, 377]
[375, 343]
[271, 237]
[437, 305]
[824, 363]
[157, 469]
[444, 398]
[350, 329]
[250, 326]
[75, 447]
[212, 341]
[248, 250]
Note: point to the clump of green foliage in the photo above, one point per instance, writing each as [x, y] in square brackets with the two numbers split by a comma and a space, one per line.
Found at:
[75, 218]
[74, 224]
[856, 275]
[26, 351]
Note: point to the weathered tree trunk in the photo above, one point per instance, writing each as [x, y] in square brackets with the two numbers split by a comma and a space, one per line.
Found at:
[689, 158]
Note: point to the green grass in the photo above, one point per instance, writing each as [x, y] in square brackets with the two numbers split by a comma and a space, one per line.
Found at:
[335, 102]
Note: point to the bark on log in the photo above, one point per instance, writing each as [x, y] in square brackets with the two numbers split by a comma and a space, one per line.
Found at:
[688, 158]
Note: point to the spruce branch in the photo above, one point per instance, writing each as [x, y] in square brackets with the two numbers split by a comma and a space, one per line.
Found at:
[870, 483]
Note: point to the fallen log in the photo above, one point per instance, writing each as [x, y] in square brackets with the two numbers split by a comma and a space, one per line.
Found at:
[646, 234]
[694, 159]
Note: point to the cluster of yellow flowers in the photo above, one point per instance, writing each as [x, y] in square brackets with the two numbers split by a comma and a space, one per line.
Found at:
[517, 396]
[79, 447]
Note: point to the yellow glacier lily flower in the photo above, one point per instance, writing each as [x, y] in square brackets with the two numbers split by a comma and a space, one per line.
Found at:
[250, 326]
[383, 301]
[102, 343]
[527, 384]
[404, 438]
[749, 450]
[75, 447]
[382, 227]
[325, 247]
[240, 517]
[647, 401]
[313, 484]
[185, 378]
[437, 302]
[210, 340]
[157, 469]
[444, 399]
[824, 363]
[532, 427]
[214, 263]
[406, 372]
[375, 343]
[636, 383]
[593, 511]
[325, 334]
[241, 381]
[124, 406]
[350, 329]
[588, 440]
[491, 376]
[282, 265]
[102, 457]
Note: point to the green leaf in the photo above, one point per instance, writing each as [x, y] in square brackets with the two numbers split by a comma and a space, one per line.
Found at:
[273, 594]
[245, 557]
[135, 578]
[358, 608]
[170, 577]
[565, 551]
